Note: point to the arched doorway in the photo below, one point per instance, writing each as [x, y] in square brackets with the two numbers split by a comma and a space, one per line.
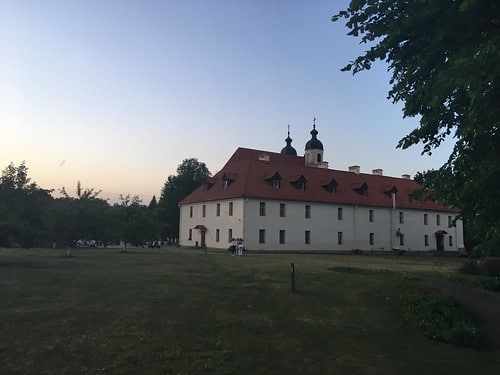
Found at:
[203, 232]
[440, 239]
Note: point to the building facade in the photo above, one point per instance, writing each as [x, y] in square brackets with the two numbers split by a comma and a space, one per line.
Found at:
[281, 201]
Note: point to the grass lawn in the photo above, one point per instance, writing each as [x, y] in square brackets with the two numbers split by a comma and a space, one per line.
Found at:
[178, 311]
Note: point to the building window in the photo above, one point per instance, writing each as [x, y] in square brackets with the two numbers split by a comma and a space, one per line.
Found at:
[426, 219]
[203, 210]
[307, 237]
[229, 235]
[340, 238]
[282, 209]
[190, 237]
[438, 220]
[217, 211]
[372, 238]
[450, 222]
[299, 182]
[362, 190]
[276, 184]
[371, 216]
[450, 240]
[401, 239]
[401, 217]
[307, 211]
[217, 234]
[331, 187]
[230, 208]
[340, 213]
[225, 184]
[262, 236]
[426, 240]
[191, 211]
[282, 236]
[262, 209]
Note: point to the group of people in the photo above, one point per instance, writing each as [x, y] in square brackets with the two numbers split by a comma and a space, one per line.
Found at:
[237, 246]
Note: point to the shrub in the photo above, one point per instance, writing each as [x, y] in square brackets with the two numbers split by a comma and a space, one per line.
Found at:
[440, 318]
[491, 267]
[470, 267]
[479, 281]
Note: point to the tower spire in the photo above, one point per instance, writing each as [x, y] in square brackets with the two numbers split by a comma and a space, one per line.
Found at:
[313, 153]
[288, 149]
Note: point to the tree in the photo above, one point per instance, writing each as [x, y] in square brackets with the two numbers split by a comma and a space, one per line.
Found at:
[22, 207]
[87, 193]
[133, 222]
[444, 57]
[190, 174]
[153, 203]
[82, 217]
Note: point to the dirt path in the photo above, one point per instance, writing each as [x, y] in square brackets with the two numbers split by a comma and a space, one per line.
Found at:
[482, 304]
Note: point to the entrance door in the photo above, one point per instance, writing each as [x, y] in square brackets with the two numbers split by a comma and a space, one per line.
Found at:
[440, 241]
[203, 238]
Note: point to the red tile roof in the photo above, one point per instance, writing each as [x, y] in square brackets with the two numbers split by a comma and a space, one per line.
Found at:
[252, 171]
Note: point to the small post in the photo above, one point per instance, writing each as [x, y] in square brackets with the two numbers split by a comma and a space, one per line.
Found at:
[292, 270]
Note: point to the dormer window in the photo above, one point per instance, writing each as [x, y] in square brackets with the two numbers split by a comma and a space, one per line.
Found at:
[228, 179]
[362, 190]
[299, 182]
[274, 180]
[331, 186]
[208, 183]
[391, 192]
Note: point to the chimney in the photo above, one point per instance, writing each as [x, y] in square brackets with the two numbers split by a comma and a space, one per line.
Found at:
[378, 172]
[354, 169]
[406, 176]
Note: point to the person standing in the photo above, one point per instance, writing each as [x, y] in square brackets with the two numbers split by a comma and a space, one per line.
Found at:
[234, 245]
[241, 246]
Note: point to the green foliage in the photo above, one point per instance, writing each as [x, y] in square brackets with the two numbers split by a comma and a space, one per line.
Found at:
[71, 219]
[487, 267]
[30, 216]
[153, 203]
[22, 207]
[440, 318]
[478, 281]
[133, 222]
[445, 62]
[190, 174]
[483, 274]
[80, 192]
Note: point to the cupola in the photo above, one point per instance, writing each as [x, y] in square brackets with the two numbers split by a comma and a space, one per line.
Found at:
[288, 149]
[313, 153]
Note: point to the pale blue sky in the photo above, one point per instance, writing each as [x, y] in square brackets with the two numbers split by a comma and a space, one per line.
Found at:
[117, 93]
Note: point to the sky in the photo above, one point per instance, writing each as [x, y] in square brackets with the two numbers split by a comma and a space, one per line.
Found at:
[117, 93]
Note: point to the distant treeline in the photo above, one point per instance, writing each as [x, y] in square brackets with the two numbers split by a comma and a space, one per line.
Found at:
[31, 217]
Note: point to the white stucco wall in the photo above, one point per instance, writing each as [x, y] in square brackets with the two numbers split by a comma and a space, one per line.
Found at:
[212, 222]
[355, 226]
[323, 226]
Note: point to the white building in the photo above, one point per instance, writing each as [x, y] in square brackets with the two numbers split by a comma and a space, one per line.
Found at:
[281, 201]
